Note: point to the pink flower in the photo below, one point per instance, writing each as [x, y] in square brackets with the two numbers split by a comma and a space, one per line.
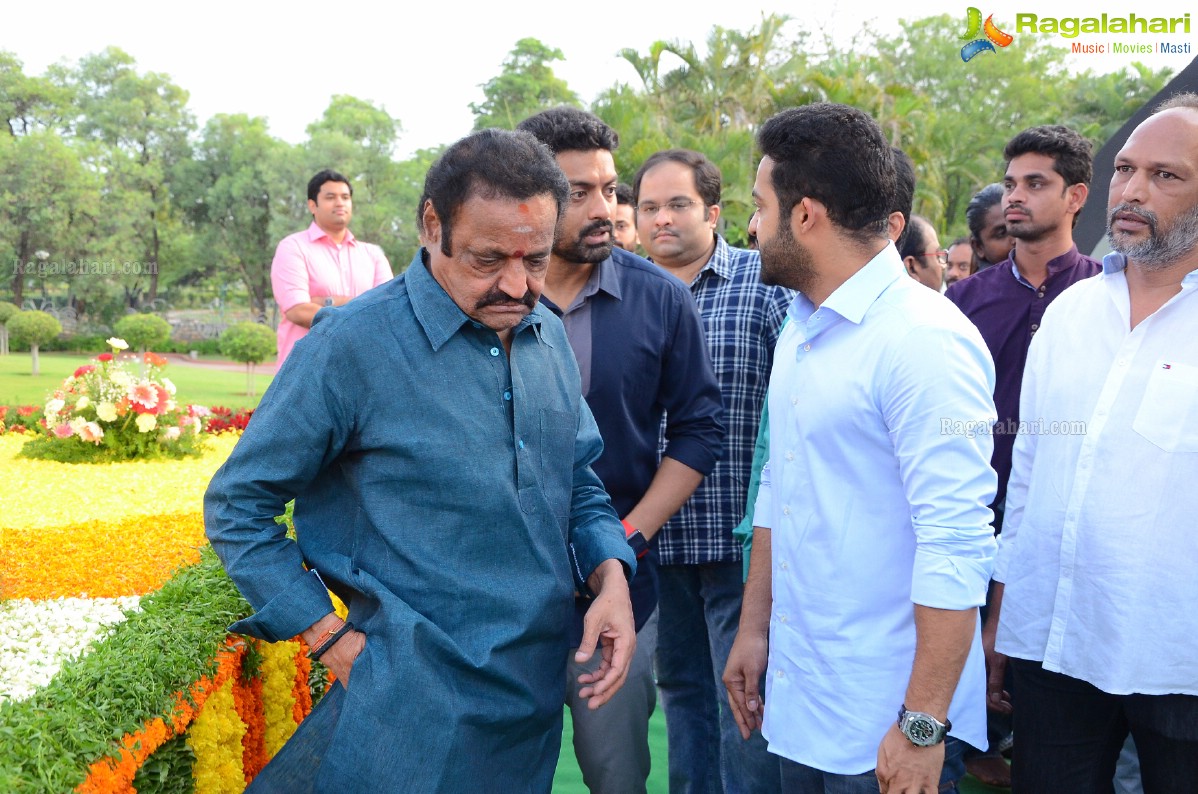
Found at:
[86, 368]
[144, 397]
[63, 430]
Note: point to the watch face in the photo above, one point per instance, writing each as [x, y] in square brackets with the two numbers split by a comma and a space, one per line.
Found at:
[921, 730]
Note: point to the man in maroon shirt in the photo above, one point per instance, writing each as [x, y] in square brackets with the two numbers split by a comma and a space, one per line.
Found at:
[1046, 184]
[1045, 187]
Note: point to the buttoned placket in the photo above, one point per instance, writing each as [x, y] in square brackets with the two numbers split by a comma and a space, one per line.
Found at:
[1115, 378]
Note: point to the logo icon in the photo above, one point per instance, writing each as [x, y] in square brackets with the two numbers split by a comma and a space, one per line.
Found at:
[974, 28]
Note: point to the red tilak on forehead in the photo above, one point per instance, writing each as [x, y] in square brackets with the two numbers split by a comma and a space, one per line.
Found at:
[518, 254]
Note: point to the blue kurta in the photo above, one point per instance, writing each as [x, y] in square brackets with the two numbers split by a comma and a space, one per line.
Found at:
[440, 488]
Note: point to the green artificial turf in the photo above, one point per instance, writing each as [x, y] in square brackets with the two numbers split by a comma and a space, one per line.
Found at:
[568, 779]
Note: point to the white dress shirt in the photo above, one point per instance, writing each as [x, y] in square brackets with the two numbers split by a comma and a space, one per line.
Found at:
[876, 492]
[1099, 550]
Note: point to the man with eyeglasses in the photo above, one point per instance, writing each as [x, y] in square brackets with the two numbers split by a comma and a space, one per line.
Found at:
[677, 194]
[922, 255]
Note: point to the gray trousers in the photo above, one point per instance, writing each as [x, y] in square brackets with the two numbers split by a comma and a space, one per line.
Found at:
[612, 742]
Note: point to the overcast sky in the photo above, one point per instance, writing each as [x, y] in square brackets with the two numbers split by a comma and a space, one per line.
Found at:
[424, 62]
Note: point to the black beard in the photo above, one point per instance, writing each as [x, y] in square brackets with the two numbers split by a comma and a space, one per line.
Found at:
[578, 252]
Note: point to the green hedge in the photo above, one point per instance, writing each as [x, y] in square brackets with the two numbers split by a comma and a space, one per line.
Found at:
[48, 741]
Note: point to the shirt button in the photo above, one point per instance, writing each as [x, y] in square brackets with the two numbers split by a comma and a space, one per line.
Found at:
[784, 565]
[794, 400]
[807, 347]
[1035, 326]
[520, 443]
[790, 456]
[507, 395]
[781, 617]
[786, 511]
[494, 351]
[780, 674]
[477, 325]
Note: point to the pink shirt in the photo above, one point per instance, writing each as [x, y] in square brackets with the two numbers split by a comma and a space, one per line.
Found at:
[309, 266]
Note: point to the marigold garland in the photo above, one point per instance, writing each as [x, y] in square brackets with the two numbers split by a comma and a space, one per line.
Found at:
[247, 693]
[278, 699]
[234, 727]
[216, 739]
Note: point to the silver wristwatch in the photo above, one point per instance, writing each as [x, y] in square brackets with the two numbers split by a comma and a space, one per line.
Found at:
[923, 730]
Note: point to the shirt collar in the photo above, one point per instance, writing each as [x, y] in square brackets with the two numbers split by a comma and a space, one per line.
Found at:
[1055, 265]
[436, 312]
[316, 233]
[720, 261]
[853, 298]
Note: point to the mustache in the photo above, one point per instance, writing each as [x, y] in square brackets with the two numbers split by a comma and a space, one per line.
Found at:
[497, 297]
[597, 226]
[1148, 216]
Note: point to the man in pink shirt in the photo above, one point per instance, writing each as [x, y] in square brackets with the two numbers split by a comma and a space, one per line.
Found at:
[324, 265]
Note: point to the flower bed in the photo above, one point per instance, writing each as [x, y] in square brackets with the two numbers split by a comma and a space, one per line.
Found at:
[117, 674]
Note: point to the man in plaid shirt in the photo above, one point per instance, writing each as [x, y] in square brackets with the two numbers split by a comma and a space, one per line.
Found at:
[677, 192]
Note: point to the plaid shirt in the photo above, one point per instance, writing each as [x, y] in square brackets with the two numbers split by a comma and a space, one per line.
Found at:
[741, 319]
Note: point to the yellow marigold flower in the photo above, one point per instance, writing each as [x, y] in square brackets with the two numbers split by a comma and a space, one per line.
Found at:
[146, 422]
[117, 343]
[106, 412]
[215, 738]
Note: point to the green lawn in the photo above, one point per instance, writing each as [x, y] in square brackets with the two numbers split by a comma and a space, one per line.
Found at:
[195, 385]
[568, 780]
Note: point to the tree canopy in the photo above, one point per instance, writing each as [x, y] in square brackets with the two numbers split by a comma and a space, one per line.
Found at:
[112, 198]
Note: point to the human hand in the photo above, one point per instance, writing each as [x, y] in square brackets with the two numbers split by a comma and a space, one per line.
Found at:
[608, 623]
[904, 768]
[340, 658]
[742, 677]
[998, 699]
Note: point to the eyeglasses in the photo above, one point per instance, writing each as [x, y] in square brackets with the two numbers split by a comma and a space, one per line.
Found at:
[675, 207]
[941, 256]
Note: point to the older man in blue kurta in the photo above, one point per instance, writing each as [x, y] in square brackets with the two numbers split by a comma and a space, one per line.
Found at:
[434, 435]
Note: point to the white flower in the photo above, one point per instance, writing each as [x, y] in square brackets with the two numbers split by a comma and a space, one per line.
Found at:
[82, 403]
[117, 344]
[91, 432]
[77, 424]
[166, 384]
[106, 412]
[121, 378]
[37, 637]
[171, 434]
[146, 423]
[54, 406]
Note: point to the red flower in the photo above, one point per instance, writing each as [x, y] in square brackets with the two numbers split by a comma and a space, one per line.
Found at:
[86, 368]
[26, 410]
[104, 357]
[163, 397]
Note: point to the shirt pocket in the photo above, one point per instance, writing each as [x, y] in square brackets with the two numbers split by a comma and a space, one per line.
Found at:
[1168, 413]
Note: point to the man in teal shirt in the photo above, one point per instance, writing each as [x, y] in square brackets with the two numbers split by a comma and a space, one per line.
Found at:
[436, 441]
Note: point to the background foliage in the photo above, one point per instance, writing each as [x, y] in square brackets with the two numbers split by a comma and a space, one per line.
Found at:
[104, 164]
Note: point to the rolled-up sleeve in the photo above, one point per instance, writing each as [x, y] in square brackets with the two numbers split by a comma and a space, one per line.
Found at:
[289, 276]
[939, 409]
